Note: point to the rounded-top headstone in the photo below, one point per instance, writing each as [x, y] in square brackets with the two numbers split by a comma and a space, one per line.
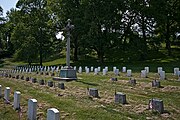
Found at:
[53, 114]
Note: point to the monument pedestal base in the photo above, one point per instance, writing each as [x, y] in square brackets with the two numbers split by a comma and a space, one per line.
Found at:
[67, 74]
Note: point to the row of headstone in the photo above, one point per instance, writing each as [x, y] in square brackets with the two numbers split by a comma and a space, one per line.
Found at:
[29, 69]
[119, 97]
[52, 113]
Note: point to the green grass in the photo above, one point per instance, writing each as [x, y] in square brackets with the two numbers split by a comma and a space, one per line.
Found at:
[76, 104]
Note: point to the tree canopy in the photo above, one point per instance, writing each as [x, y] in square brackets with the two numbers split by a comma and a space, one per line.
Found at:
[122, 27]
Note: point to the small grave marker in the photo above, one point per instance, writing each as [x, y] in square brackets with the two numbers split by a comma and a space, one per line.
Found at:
[32, 109]
[160, 69]
[53, 114]
[143, 74]
[61, 86]
[162, 75]
[157, 105]
[50, 83]
[132, 81]
[129, 73]
[93, 92]
[17, 100]
[92, 68]
[80, 69]
[95, 71]
[147, 69]
[7, 94]
[123, 69]
[41, 82]
[156, 83]
[113, 79]
[120, 98]
[27, 78]
[176, 71]
[34, 80]
[104, 71]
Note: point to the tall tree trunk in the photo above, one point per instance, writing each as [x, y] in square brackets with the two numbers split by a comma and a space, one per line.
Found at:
[168, 43]
[100, 56]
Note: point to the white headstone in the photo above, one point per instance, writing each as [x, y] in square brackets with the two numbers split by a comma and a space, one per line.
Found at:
[7, 93]
[32, 109]
[129, 72]
[143, 73]
[92, 69]
[116, 72]
[114, 69]
[124, 69]
[53, 114]
[176, 71]
[162, 75]
[95, 71]
[104, 71]
[87, 70]
[99, 69]
[74, 67]
[16, 100]
[160, 69]
[80, 69]
[147, 69]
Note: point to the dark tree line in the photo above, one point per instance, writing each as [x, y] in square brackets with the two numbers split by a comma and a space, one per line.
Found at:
[103, 28]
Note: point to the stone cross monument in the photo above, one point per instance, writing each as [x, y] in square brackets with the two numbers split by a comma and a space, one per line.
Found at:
[67, 73]
[68, 28]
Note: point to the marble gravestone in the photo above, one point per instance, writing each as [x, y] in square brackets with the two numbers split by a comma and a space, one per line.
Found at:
[32, 109]
[16, 100]
[53, 114]
[7, 94]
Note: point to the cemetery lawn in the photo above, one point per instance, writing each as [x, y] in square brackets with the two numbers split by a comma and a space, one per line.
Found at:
[74, 102]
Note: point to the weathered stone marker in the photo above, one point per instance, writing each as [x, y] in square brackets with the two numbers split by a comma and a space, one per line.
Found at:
[53, 114]
[34, 80]
[7, 94]
[27, 78]
[93, 92]
[157, 105]
[41, 82]
[156, 83]
[16, 100]
[120, 98]
[32, 109]
[132, 81]
[50, 83]
[61, 86]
